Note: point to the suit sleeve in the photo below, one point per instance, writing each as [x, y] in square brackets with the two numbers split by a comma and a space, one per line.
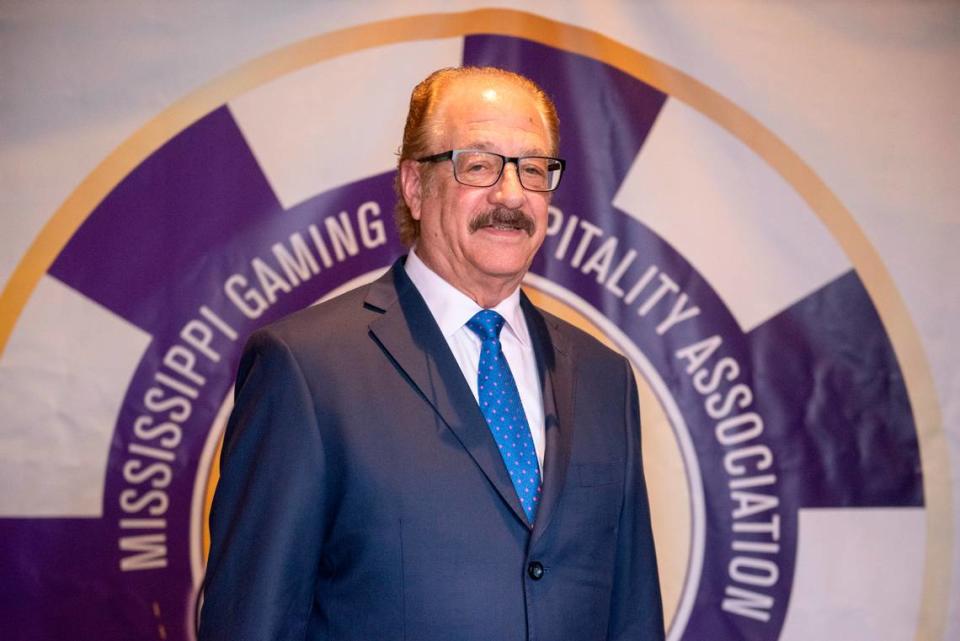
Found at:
[268, 514]
[636, 609]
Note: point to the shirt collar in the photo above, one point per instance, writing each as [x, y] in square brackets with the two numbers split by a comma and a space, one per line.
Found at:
[452, 309]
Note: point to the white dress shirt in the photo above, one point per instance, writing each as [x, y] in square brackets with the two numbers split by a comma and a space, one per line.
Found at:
[452, 309]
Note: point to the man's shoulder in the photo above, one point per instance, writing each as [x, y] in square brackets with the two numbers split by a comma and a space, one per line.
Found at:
[331, 321]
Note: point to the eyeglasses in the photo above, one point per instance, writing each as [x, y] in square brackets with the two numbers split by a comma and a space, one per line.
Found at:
[477, 168]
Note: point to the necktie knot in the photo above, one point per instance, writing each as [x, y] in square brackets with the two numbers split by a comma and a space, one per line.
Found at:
[486, 324]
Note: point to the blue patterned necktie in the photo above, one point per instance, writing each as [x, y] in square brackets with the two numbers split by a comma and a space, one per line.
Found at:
[500, 404]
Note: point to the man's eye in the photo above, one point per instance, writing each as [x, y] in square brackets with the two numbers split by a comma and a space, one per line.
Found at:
[478, 166]
[532, 169]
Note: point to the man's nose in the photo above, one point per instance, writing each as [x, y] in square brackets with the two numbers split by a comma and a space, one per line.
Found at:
[508, 191]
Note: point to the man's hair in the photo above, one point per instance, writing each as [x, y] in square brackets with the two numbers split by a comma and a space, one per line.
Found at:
[417, 132]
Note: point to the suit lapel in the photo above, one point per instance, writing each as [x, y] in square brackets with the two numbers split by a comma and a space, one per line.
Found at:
[410, 336]
[554, 359]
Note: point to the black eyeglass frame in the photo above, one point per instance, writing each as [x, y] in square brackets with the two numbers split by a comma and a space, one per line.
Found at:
[452, 153]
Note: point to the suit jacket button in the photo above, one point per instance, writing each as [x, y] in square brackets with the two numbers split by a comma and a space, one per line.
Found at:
[535, 570]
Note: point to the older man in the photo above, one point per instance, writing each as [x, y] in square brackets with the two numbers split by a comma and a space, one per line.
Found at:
[430, 457]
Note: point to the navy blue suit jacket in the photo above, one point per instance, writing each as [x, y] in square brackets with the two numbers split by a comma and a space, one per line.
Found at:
[362, 496]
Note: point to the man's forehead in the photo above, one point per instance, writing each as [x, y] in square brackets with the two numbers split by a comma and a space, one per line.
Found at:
[474, 105]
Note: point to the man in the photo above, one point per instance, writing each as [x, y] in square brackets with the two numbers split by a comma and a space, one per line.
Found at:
[430, 457]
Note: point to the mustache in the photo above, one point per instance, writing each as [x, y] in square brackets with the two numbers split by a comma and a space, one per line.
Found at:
[503, 217]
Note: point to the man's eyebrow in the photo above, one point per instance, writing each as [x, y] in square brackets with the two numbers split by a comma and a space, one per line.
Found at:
[481, 145]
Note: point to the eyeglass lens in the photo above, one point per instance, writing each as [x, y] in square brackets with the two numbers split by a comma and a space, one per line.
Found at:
[482, 169]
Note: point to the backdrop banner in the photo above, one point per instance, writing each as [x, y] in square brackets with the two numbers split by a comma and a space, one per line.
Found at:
[793, 425]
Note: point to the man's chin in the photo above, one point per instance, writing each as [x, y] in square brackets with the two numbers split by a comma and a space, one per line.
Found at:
[503, 263]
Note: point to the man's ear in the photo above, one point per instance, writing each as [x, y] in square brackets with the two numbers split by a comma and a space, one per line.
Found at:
[410, 183]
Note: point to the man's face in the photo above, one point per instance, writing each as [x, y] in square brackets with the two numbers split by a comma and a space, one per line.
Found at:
[460, 237]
